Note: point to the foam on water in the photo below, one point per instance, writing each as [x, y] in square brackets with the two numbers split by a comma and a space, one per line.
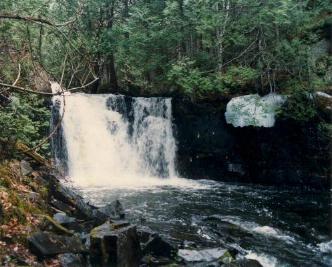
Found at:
[259, 229]
[325, 247]
[264, 259]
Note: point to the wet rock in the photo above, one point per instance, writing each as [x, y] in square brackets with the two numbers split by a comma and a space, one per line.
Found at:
[189, 244]
[114, 210]
[63, 218]
[243, 263]
[44, 244]
[26, 168]
[205, 255]
[157, 246]
[111, 244]
[71, 260]
[145, 233]
[59, 205]
[227, 231]
[151, 261]
[81, 209]
[119, 224]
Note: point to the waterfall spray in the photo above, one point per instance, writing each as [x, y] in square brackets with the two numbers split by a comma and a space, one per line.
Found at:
[117, 141]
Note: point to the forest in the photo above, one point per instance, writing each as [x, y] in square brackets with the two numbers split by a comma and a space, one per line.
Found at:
[200, 53]
[202, 49]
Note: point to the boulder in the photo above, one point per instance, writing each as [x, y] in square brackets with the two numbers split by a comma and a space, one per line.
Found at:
[145, 233]
[158, 247]
[63, 218]
[205, 255]
[115, 244]
[253, 110]
[44, 244]
[25, 167]
[71, 260]
[114, 210]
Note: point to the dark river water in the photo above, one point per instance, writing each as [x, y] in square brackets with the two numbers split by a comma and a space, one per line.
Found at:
[285, 227]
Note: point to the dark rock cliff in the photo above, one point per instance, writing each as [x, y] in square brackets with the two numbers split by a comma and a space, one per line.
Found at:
[287, 154]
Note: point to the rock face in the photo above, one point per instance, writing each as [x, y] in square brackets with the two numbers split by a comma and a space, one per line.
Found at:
[289, 153]
[113, 245]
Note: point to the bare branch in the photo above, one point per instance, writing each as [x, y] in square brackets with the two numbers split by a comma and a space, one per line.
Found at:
[36, 20]
[63, 68]
[31, 19]
[84, 86]
[239, 55]
[22, 89]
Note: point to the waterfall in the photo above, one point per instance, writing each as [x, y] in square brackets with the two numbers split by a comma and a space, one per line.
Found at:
[114, 140]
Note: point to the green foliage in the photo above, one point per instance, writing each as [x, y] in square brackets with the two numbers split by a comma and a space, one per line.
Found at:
[300, 106]
[26, 118]
[190, 79]
[201, 48]
[238, 77]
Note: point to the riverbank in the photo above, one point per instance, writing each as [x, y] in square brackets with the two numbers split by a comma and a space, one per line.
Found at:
[45, 223]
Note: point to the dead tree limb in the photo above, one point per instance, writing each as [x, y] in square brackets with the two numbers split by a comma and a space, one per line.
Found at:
[18, 75]
[25, 90]
[21, 147]
[36, 20]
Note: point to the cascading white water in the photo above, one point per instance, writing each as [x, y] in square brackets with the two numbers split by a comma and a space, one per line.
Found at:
[117, 141]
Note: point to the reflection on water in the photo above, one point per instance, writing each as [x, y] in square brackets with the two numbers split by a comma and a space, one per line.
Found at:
[277, 227]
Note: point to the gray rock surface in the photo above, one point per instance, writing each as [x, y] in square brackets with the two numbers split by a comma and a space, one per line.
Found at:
[115, 244]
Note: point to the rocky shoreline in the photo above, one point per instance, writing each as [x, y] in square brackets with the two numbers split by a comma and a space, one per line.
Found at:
[70, 232]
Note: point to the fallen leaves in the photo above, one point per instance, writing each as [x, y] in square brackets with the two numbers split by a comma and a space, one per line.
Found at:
[20, 209]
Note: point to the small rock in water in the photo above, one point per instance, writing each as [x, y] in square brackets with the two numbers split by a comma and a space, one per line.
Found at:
[114, 210]
[204, 255]
[63, 218]
[26, 168]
